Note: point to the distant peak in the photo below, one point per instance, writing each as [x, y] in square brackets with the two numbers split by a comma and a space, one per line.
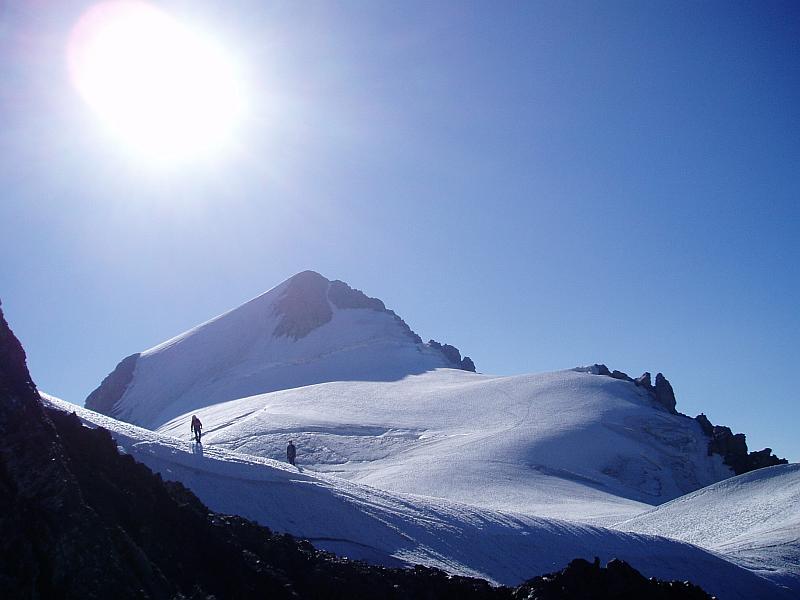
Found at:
[307, 275]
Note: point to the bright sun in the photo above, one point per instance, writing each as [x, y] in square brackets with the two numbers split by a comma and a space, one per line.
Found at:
[170, 93]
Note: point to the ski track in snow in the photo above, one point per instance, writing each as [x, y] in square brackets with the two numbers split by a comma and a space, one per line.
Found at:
[391, 528]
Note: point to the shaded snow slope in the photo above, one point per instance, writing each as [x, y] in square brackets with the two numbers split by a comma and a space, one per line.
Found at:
[565, 444]
[754, 519]
[389, 528]
[306, 330]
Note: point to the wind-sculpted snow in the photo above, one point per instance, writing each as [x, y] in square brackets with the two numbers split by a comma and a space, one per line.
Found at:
[399, 529]
[564, 444]
[753, 519]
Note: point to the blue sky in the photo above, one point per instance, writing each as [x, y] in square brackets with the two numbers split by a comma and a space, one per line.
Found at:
[542, 184]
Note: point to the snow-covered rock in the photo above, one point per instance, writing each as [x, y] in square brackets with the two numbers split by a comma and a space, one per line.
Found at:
[306, 330]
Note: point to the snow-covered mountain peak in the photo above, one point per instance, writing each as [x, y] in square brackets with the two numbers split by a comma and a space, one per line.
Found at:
[307, 330]
[308, 300]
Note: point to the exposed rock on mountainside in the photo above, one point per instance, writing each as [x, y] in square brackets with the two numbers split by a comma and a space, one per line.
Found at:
[733, 448]
[79, 520]
[661, 391]
[303, 306]
[644, 381]
[113, 386]
[343, 296]
[454, 356]
[306, 305]
[664, 393]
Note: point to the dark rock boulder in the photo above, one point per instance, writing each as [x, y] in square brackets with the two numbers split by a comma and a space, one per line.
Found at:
[644, 381]
[664, 393]
[467, 364]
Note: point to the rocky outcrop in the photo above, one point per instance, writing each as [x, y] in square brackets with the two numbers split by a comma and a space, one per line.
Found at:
[306, 305]
[343, 296]
[595, 369]
[661, 392]
[303, 306]
[733, 448]
[664, 393]
[112, 388]
[644, 381]
[705, 425]
[620, 375]
[582, 580]
[453, 355]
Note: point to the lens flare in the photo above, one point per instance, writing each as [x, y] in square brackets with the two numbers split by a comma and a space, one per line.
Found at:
[170, 93]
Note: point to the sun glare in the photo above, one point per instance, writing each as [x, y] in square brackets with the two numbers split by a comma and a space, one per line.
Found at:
[170, 93]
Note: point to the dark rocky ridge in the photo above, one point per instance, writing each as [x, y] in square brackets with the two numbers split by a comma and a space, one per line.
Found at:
[52, 543]
[732, 447]
[582, 580]
[79, 520]
[304, 306]
[343, 296]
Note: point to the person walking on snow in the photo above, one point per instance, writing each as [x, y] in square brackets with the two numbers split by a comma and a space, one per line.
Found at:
[291, 452]
[197, 428]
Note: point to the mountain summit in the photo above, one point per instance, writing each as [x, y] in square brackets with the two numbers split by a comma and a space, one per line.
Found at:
[304, 331]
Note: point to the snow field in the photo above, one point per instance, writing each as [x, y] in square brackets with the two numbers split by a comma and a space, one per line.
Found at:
[391, 528]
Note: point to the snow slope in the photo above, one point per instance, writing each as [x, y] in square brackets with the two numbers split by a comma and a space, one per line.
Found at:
[389, 528]
[753, 519]
[566, 444]
[306, 330]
